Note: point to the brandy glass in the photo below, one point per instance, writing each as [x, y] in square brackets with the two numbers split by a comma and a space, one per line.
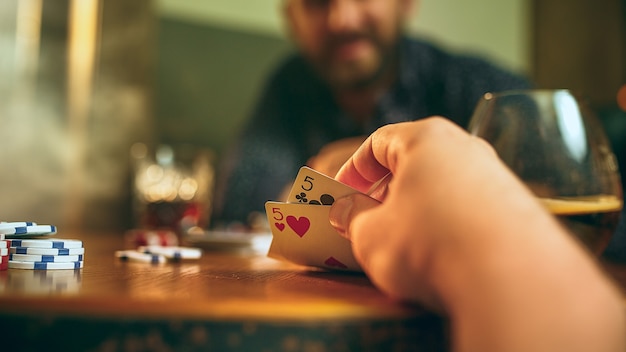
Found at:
[558, 148]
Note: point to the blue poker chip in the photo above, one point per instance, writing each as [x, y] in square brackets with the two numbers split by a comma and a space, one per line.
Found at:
[46, 251]
[32, 230]
[14, 264]
[47, 243]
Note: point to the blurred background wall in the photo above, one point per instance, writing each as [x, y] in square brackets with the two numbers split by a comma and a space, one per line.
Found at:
[76, 90]
[83, 80]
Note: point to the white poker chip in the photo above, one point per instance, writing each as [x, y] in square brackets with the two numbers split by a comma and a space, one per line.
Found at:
[46, 258]
[136, 256]
[24, 227]
[14, 224]
[47, 251]
[173, 252]
[47, 243]
[34, 230]
[14, 264]
[6, 226]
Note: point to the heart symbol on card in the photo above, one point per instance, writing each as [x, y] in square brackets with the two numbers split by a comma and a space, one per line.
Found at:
[300, 225]
[333, 262]
[279, 225]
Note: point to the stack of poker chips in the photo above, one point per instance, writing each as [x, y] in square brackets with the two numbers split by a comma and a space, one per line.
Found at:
[30, 247]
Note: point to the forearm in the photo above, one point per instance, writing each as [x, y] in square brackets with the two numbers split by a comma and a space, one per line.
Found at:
[558, 299]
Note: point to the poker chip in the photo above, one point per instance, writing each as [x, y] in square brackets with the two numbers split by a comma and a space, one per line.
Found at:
[4, 251]
[5, 243]
[175, 253]
[140, 237]
[24, 231]
[13, 224]
[47, 243]
[46, 258]
[47, 251]
[14, 264]
[136, 256]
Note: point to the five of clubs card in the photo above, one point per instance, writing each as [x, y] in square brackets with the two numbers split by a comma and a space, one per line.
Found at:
[302, 233]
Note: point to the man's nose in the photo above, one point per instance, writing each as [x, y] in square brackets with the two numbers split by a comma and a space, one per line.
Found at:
[344, 15]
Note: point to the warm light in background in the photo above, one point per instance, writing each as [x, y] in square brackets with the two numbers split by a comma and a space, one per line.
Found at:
[82, 47]
[83, 28]
[27, 38]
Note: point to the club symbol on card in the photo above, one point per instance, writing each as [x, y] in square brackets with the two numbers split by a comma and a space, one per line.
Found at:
[325, 199]
[333, 262]
[302, 198]
[280, 226]
[299, 225]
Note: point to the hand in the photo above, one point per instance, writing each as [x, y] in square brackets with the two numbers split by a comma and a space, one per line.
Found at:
[439, 174]
[333, 155]
[456, 230]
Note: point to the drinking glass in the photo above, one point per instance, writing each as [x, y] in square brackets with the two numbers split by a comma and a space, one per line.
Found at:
[558, 148]
[172, 186]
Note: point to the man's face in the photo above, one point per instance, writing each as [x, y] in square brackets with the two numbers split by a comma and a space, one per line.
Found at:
[350, 42]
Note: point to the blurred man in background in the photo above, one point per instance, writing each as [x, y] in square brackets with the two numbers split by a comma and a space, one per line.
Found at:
[356, 69]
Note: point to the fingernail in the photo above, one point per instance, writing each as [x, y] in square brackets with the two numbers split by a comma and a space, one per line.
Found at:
[339, 215]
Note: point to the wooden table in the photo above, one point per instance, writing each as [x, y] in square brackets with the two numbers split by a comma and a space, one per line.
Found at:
[227, 300]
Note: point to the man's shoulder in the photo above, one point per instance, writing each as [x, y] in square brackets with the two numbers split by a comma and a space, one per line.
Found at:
[432, 62]
[427, 53]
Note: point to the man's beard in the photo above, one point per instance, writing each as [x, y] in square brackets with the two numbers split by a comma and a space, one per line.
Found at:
[356, 74]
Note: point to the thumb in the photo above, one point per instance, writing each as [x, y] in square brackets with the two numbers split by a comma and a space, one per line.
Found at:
[345, 209]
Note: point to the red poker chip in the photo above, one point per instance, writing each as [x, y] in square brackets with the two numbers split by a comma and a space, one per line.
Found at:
[4, 265]
[161, 237]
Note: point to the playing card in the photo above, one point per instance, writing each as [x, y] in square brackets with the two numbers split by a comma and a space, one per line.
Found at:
[304, 235]
[315, 188]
